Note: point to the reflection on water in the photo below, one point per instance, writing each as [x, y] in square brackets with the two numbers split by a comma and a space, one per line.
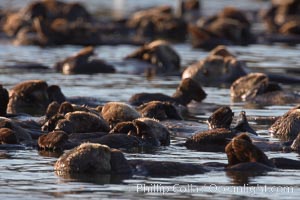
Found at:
[27, 173]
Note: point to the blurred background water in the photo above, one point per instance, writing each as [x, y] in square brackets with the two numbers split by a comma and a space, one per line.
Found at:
[28, 175]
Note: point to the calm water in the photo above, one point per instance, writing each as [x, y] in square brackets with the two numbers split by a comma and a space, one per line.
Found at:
[27, 174]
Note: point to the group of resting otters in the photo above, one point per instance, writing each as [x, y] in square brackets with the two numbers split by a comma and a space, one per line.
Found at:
[91, 136]
[53, 22]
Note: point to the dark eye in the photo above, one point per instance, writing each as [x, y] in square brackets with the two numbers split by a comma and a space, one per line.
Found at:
[205, 72]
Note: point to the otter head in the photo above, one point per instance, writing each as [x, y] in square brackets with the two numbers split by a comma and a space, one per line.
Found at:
[221, 118]
[146, 133]
[189, 90]
[52, 109]
[4, 98]
[29, 97]
[55, 94]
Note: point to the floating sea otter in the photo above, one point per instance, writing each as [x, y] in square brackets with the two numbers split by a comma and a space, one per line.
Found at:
[89, 158]
[222, 67]
[282, 21]
[229, 27]
[241, 150]
[257, 88]
[216, 138]
[187, 91]
[160, 57]
[82, 64]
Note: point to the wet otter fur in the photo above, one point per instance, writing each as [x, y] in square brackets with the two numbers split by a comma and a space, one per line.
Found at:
[8, 136]
[287, 126]
[81, 63]
[187, 91]
[28, 97]
[159, 53]
[115, 112]
[159, 110]
[86, 122]
[257, 88]
[86, 158]
[55, 140]
[241, 150]
[220, 132]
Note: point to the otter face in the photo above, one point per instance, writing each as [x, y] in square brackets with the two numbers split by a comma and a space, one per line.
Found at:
[29, 97]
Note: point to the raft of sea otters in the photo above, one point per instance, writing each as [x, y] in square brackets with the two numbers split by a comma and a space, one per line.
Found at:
[93, 136]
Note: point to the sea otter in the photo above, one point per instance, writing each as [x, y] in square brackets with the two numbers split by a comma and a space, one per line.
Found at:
[219, 133]
[229, 27]
[160, 57]
[257, 88]
[287, 127]
[241, 150]
[221, 67]
[81, 63]
[187, 91]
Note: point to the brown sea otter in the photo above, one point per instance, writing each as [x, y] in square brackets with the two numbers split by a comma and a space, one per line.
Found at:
[90, 158]
[282, 21]
[8, 136]
[115, 112]
[32, 97]
[158, 22]
[222, 67]
[241, 150]
[187, 91]
[160, 57]
[28, 97]
[159, 110]
[229, 27]
[257, 88]
[287, 127]
[219, 133]
[81, 63]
